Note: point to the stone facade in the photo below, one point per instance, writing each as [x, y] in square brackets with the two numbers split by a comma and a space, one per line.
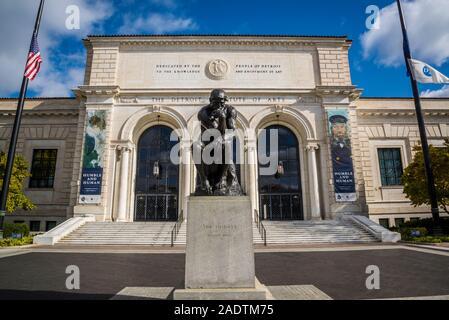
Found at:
[46, 124]
[392, 123]
[143, 81]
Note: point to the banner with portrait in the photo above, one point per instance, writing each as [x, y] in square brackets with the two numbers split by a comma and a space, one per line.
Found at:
[93, 156]
[341, 153]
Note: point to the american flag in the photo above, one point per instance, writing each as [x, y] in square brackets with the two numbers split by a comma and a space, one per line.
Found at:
[34, 60]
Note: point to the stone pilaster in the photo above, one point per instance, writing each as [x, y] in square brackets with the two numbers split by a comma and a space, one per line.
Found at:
[186, 163]
[313, 181]
[251, 166]
[123, 185]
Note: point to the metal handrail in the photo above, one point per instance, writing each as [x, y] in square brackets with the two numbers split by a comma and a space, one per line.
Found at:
[263, 232]
[176, 228]
[260, 227]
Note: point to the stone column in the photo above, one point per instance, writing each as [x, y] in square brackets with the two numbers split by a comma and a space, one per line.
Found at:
[123, 186]
[313, 181]
[186, 163]
[252, 187]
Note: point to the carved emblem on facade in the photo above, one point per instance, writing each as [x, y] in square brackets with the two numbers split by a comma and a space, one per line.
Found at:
[309, 99]
[217, 69]
[128, 100]
[279, 108]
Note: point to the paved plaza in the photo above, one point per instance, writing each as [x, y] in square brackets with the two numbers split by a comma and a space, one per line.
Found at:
[326, 272]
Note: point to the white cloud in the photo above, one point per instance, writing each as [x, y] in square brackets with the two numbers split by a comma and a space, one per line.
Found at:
[156, 23]
[57, 76]
[166, 3]
[441, 93]
[59, 83]
[427, 23]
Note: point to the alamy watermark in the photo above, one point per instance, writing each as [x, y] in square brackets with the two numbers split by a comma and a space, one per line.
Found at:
[372, 22]
[72, 22]
[373, 280]
[213, 147]
[72, 282]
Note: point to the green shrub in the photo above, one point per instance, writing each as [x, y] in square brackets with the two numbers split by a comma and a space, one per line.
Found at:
[428, 224]
[430, 239]
[16, 242]
[394, 229]
[413, 232]
[427, 240]
[18, 228]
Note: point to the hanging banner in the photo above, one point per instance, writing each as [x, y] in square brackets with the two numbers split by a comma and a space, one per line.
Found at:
[343, 169]
[93, 155]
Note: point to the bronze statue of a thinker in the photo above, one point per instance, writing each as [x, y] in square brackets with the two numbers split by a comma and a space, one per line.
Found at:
[217, 175]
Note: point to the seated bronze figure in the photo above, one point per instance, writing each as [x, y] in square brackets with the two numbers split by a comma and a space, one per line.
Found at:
[218, 178]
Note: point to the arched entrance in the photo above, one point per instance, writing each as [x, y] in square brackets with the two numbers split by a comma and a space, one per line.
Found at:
[157, 177]
[280, 195]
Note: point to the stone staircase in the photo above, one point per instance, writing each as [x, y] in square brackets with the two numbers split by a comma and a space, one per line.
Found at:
[302, 232]
[159, 233]
[123, 233]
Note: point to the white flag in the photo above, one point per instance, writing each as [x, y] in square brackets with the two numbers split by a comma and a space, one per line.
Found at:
[424, 73]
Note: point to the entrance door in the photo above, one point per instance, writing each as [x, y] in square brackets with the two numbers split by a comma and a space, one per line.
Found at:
[157, 178]
[280, 194]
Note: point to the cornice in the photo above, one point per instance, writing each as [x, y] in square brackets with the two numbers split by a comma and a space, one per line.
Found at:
[85, 91]
[402, 113]
[40, 113]
[206, 91]
[219, 43]
[226, 40]
[352, 92]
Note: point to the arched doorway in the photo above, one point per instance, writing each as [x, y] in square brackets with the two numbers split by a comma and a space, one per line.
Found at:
[238, 160]
[280, 194]
[157, 178]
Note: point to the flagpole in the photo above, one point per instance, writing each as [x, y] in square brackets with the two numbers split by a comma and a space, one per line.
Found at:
[422, 128]
[16, 128]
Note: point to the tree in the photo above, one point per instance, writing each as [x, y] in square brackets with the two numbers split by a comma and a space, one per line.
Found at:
[415, 182]
[16, 197]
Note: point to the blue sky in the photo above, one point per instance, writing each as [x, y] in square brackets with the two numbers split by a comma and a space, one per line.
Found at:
[375, 57]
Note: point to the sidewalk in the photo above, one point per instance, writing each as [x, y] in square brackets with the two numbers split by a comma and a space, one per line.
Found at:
[338, 271]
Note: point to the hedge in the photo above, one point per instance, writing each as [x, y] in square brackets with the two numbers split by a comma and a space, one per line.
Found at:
[16, 242]
[18, 228]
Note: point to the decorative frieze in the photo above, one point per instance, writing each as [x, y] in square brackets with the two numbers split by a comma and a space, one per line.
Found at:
[128, 100]
[380, 113]
[274, 100]
[293, 42]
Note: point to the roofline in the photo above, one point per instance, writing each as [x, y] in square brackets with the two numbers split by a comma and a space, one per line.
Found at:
[215, 35]
[270, 36]
[38, 98]
[361, 98]
[403, 98]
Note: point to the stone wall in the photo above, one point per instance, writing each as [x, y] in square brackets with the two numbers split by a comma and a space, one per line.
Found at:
[46, 124]
[334, 66]
[384, 123]
[101, 65]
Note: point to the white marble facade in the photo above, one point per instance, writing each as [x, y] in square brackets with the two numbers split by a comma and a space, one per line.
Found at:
[143, 81]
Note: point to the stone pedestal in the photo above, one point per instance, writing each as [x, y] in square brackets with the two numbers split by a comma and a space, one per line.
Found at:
[219, 253]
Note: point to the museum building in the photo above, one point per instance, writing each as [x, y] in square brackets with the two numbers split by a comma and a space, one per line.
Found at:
[106, 152]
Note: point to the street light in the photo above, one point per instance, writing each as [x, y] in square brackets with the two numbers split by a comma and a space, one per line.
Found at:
[156, 169]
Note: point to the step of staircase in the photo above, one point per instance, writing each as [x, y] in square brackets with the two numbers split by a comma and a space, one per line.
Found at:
[303, 232]
[123, 233]
[159, 233]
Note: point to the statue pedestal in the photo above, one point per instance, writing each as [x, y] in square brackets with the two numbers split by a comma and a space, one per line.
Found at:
[219, 253]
